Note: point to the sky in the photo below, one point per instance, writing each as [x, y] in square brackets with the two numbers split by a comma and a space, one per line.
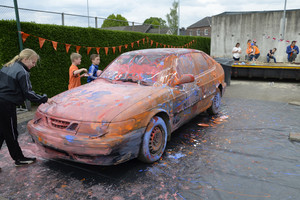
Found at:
[191, 11]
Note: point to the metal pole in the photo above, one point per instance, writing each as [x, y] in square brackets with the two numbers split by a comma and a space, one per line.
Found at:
[18, 25]
[26, 102]
[96, 22]
[178, 31]
[88, 12]
[283, 26]
[63, 19]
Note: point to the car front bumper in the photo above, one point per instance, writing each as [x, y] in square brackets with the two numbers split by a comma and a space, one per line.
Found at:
[105, 150]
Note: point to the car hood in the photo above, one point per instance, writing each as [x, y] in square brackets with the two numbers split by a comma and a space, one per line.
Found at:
[98, 101]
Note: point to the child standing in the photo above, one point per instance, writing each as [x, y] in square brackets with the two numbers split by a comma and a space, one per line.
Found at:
[94, 71]
[74, 72]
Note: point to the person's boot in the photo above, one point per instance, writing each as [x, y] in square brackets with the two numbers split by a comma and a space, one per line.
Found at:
[24, 161]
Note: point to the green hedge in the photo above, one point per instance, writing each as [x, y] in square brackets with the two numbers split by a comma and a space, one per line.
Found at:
[51, 74]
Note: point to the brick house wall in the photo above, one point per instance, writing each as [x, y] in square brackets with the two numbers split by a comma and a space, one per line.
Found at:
[200, 31]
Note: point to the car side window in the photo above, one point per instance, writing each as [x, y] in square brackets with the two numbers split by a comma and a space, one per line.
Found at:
[186, 65]
[211, 62]
[201, 64]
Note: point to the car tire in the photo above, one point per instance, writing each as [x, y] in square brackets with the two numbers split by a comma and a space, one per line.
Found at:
[216, 102]
[154, 140]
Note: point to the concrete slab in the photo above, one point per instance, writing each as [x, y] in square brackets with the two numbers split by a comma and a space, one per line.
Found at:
[296, 103]
[294, 137]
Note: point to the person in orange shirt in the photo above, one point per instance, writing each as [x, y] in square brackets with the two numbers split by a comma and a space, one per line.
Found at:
[249, 50]
[74, 72]
[256, 50]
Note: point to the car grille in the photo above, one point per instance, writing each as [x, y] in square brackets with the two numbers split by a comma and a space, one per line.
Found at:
[59, 123]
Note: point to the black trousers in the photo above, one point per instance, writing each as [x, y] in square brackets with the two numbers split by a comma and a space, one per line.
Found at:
[8, 129]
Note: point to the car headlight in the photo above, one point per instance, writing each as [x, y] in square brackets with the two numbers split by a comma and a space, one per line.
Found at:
[38, 117]
[123, 127]
[92, 130]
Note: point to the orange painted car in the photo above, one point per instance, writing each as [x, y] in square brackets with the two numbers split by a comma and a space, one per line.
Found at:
[131, 110]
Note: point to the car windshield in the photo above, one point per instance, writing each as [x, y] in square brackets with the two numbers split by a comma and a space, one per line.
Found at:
[143, 69]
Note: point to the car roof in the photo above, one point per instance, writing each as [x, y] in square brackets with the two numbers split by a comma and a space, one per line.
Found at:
[161, 51]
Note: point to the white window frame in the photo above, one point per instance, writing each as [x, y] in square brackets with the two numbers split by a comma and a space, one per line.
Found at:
[198, 32]
[205, 31]
[191, 33]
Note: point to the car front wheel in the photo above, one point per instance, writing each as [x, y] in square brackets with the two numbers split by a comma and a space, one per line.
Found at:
[154, 141]
[216, 102]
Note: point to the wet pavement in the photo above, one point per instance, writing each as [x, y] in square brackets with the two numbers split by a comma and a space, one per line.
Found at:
[243, 153]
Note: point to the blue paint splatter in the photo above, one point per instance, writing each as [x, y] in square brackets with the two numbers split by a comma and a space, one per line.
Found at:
[127, 97]
[96, 95]
[70, 138]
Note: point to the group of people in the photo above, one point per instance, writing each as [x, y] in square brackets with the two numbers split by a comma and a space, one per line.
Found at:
[15, 88]
[74, 72]
[253, 52]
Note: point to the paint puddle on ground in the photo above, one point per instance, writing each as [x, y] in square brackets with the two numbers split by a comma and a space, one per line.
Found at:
[176, 156]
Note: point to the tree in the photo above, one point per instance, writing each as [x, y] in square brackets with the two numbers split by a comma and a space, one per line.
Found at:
[172, 18]
[114, 20]
[156, 21]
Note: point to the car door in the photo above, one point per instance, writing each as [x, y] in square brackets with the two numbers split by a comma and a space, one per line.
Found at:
[189, 92]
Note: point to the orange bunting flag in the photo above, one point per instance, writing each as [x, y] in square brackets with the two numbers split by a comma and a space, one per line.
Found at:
[98, 49]
[114, 49]
[132, 43]
[106, 50]
[164, 46]
[156, 44]
[77, 48]
[151, 43]
[68, 47]
[24, 36]
[41, 41]
[143, 40]
[88, 50]
[120, 48]
[168, 46]
[54, 44]
[138, 42]
[126, 45]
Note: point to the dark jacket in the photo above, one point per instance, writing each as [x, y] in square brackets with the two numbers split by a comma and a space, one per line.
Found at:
[15, 86]
[289, 50]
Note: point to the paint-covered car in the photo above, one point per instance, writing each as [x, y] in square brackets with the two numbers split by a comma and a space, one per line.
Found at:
[131, 110]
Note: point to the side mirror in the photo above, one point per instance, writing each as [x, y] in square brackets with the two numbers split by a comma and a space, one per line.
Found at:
[185, 78]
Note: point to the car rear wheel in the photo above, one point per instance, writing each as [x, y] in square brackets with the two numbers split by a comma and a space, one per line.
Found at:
[216, 102]
[154, 141]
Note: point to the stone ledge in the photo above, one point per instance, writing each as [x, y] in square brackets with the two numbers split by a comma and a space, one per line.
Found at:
[294, 137]
[296, 103]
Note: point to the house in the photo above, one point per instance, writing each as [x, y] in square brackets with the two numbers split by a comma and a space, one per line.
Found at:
[267, 28]
[140, 28]
[200, 28]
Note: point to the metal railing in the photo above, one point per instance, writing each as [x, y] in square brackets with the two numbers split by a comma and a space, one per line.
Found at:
[58, 18]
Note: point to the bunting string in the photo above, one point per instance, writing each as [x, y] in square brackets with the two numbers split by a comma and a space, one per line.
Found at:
[276, 39]
[106, 49]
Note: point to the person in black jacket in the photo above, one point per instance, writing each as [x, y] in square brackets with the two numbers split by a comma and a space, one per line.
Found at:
[15, 88]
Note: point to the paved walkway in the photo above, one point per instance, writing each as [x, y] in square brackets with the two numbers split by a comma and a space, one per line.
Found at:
[25, 116]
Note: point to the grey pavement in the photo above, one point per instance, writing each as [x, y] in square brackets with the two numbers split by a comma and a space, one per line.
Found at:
[244, 152]
[287, 92]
